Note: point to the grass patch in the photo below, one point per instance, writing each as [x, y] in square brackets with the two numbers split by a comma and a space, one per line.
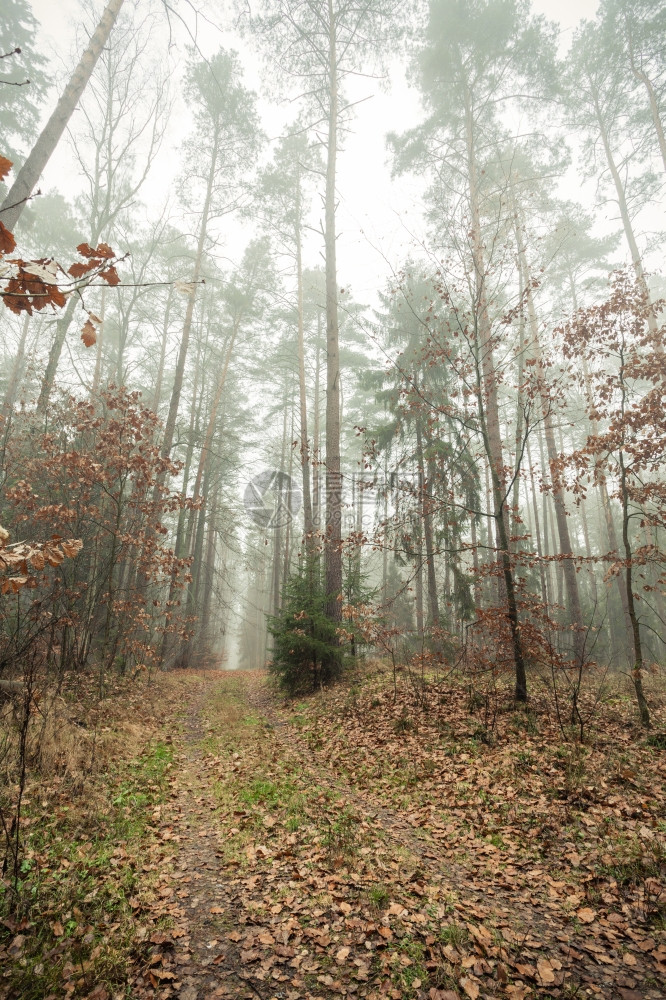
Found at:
[408, 971]
[72, 922]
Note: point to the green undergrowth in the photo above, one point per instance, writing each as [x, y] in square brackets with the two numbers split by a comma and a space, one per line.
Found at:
[69, 923]
[262, 793]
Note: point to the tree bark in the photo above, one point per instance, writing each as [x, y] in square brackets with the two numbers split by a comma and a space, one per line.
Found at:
[637, 671]
[333, 547]
[575, 613]
[32, 169]
[308, 525]
[12, 385]
[426, 517]
[625, 215]
[157, 392]
[100, 339]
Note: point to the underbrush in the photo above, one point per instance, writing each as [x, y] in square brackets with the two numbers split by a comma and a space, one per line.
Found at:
[523, 789]
[89, 787]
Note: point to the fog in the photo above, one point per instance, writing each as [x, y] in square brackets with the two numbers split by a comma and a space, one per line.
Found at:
[361, 301]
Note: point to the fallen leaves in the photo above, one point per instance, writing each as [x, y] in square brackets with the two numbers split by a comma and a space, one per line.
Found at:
[471, 987]
[388, 909]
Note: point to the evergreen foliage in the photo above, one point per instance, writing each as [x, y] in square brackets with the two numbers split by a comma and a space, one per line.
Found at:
[306, 654]
[23, 82]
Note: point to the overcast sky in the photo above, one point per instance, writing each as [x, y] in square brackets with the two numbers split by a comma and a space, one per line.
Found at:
[378, 217]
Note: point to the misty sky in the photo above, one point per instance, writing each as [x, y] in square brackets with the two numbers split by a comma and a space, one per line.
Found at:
[379, 218]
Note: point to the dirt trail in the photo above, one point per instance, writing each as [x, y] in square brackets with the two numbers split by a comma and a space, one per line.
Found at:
[257, 906]
[196, 962]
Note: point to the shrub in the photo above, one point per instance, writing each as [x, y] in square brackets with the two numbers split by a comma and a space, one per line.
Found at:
[306, 653]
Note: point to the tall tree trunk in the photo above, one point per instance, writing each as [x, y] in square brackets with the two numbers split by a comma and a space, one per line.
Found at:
[288, 532]
[333, 547]
[62, 326]
[208, 578]
[308, 526]
[277, 542]
[316, 451]
[611, 533]
[637, 671]
[97, 377]
[419, 590]
[482, 317]
[575, 613]
[204, 454]
[32, 169]
[520, 416]
[179, 546]
[170, 426]
[14, 378]
[157, 392]
[543, 573]
[426, 518]
[652, 97]
[624, 213]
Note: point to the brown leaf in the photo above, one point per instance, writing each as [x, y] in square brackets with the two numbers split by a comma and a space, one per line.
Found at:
[5, 166]
[7, 241]
[341, 956]
[250, 956]
[16, 947]
[72, 547]
[586, 915]
[53, 556]
[99, 993]
[110, 275]
[37, 559]
[545, 972]
[502, 975]
[470, 987]
[89, 334]
[77, 270]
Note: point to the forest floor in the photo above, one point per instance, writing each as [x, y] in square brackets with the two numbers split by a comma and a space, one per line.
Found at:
[351, 844]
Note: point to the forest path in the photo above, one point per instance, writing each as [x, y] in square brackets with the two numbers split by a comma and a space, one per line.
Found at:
[287, 881]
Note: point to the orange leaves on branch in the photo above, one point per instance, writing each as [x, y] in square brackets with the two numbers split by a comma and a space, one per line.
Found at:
[95, 260]
[29, 285]
[89, 334]
[26, 291]
[5, 166]
[18, 561]
[72, 547]
[77, 270]
[7, 241]
[102, 252]
[110, 275]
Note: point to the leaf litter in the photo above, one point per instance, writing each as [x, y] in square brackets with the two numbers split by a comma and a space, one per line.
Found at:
[319, 850]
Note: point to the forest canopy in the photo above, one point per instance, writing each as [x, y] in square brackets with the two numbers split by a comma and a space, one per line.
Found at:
[221, 390]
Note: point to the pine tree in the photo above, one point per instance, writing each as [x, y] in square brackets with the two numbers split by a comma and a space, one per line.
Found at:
[306, 652]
